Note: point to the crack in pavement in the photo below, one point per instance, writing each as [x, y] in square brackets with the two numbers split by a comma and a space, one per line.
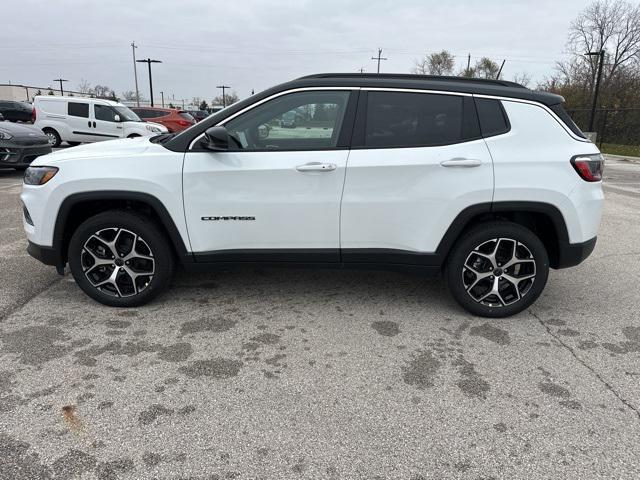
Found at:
[11, 309]
[599, 377]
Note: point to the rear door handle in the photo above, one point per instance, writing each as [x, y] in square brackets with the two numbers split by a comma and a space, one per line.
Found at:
[317, 167]
[461, 162]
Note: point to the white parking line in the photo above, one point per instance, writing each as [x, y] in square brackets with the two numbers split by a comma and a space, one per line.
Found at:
[10, 186]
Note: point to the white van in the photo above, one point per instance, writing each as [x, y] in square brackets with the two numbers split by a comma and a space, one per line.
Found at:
[77, 120]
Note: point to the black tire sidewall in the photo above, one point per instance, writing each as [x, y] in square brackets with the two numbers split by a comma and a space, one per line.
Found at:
[475, 237]
[164, 261]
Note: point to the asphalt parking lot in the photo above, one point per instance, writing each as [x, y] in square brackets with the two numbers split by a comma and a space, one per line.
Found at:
[259, 373]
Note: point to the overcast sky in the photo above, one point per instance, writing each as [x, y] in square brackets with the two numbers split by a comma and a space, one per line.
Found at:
[254, 44]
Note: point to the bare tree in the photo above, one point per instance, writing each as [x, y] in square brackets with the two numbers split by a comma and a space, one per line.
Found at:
[84, 86]
[486, 68]
[130, 96]
[522, 78]
[612, 25]
[441, 63]
[229, 99]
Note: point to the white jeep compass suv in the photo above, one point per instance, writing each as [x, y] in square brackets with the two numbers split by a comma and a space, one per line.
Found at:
[485, 180]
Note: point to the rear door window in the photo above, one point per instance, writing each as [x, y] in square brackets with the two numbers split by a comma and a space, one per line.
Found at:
[404, 119]
[76, 109]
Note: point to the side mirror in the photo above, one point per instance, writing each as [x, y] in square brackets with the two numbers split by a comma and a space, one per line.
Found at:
[216, 139]
[116, 118]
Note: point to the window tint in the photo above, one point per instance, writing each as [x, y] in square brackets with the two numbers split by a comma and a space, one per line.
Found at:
[104, 112]
[187, 116]
[493, 119]
[297, 121]
[401, 119]
[78, 109]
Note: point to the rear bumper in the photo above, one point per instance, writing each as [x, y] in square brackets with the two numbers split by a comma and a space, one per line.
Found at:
[571, 254]
[47, 255]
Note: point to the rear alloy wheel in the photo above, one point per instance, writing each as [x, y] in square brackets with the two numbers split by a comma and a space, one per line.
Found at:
[498, 269]
[120, 258]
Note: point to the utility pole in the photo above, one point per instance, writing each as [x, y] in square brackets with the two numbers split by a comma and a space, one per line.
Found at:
[61, 80]
[361, 69]
[162, 93]
[500, 71]
[378, 58]
[596, 90]
[135, 72]
[148, 61]
[224, 97]
[468, 62]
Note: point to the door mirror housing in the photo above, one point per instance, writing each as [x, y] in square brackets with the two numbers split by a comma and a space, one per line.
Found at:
[116, 118]
[216, 139]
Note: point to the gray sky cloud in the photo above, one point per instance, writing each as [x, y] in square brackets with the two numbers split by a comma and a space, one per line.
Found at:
[259, 43]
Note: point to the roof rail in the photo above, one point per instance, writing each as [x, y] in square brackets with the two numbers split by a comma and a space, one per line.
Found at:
[410, 76]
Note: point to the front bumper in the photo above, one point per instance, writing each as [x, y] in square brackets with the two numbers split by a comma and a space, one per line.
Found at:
[47, 255]
[572, 254]
[12, 155]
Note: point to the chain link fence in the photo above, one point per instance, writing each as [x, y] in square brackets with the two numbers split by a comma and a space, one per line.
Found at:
[618, 129]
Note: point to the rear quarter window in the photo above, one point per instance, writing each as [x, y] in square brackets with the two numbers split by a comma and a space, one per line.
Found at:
[493, 118]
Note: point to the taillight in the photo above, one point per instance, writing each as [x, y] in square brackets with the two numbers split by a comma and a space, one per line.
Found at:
[184, 123]
[33, 115]
[589, 167]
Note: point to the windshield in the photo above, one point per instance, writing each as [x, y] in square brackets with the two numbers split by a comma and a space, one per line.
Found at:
[126, 114]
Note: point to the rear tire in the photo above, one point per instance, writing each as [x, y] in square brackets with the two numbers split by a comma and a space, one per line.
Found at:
[54, 137]
[497, 269]
[74, 144]
[120, 258]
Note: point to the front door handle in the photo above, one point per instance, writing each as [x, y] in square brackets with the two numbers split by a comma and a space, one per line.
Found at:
[317, 167]
[461, 162]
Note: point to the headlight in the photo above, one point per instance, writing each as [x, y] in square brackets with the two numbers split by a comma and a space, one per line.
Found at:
[153, 129]
[39, 175]
[5, 135]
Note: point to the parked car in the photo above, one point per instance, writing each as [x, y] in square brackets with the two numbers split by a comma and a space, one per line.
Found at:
[21, 144]
[16, 111]
[484, 180]
[288, 120]
[174, 120]
[198, 115]
[84, 120]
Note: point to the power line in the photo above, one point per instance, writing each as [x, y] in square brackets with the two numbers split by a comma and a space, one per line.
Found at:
[379, 57]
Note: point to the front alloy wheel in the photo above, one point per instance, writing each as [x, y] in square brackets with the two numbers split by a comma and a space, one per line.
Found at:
[120, 258]
[118, 262]
[497, 269]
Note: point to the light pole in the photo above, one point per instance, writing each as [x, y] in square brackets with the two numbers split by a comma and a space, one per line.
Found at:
[162, 94]
[224, 97]
[61, 80]
[596, 89]
[135, 72]
[148, 61]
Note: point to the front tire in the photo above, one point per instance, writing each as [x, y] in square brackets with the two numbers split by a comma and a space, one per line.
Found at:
[497, 269]
[120, 258]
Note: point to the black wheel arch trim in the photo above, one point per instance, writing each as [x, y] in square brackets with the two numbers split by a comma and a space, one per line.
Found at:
[119, 195]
